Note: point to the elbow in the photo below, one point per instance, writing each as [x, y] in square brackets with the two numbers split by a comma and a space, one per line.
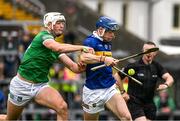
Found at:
[59, 49]
[172, 80]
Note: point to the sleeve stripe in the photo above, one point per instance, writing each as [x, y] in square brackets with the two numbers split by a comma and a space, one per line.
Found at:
[62, 54]
[48, 40]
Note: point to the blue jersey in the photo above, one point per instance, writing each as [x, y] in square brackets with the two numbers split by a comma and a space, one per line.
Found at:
[101, 78]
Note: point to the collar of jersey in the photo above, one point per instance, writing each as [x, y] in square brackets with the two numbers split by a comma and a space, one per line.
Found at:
[142, 62]
[50, 33]
[97, 36]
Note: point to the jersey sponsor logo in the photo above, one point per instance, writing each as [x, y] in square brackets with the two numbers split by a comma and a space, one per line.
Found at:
[106, 46]
[110, 47]
[154, 76]
[140, 74]
[47, 37]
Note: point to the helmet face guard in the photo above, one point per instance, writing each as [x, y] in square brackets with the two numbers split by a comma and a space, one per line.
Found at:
[107, 23]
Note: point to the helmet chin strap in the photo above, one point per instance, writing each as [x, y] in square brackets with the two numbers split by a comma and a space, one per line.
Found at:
[50, 29]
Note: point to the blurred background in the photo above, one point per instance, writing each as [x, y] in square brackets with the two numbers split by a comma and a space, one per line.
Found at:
[140, 21]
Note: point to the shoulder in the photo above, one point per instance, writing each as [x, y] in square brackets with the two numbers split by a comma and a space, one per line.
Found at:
[129, 66]
[90, 41]
[134, 64]
[90, 38]
[157, 64]
[44, 35]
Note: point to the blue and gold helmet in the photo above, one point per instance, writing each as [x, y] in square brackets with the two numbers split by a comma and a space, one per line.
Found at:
[107, 23]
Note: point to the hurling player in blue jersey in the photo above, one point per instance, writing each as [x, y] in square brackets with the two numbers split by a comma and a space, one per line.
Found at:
[100, 89]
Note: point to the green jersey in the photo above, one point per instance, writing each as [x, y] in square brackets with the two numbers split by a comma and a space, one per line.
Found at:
[38, 59]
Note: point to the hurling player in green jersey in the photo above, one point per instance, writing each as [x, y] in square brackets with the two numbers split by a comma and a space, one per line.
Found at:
[30, 83]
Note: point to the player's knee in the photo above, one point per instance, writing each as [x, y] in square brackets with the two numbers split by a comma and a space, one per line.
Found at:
[3, 117]
[62, 108]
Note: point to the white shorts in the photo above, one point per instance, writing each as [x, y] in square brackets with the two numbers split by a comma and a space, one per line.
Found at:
[94, 100]
[21, 92]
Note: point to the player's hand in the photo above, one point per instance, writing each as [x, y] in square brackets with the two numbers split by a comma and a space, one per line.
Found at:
[88, 50]
[81, 66]
[109, 61]
[166, 109]
[125, 96]
[162, 87]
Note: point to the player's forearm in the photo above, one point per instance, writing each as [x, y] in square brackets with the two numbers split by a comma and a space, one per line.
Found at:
[169, 79]
[70, 64]
[89, 58]
[73, 68]
[62, 48]
[65, 48]
[76, 69]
